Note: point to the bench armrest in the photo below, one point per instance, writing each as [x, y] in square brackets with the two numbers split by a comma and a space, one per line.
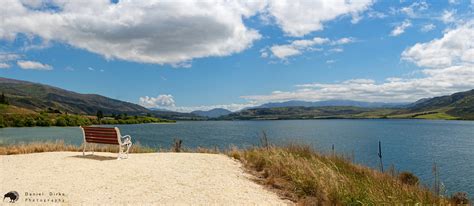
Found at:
[127, 139]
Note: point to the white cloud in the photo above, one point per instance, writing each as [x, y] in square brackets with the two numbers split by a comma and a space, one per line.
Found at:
[414, 9]
[284, 51]
[456, 47]
[90, 69]
[376, 15]
[5, 57]
[33, 65]
[453, 1]
[345, 40]
[297, 47]
[298, 18]
[400, 29]
[161, 101]
[161, 32]
[435, 82]
[427, 27]
[336, 50]
[4, 65]
[448, 16]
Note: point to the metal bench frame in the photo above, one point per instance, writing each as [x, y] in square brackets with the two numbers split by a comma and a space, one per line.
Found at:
[122, 141]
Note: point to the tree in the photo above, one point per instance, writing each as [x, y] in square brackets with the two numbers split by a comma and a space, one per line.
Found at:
[100, 115]
[3, 99]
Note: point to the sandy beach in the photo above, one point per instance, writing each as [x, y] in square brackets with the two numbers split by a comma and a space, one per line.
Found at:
[144, 179]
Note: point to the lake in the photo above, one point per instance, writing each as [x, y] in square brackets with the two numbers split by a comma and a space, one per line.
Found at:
[412, 145]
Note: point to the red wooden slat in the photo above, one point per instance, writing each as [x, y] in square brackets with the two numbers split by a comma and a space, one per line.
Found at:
[98, 129]
[100, 134]
[104, 139]
[102, 142]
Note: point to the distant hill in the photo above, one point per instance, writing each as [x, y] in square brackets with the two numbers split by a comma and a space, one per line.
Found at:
[213, 113]
[301, 113]
[40, 97]
[329, 103]
[176, 115]
[457, 105]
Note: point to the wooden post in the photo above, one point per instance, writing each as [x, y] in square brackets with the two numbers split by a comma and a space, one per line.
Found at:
[332, 148]
[380, 156]
[436, 185]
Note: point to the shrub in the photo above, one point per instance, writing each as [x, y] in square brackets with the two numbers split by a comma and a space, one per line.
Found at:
[460, 198]
[61, 122]
[408, 178]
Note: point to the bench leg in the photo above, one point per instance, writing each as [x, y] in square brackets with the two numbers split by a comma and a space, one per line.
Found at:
[128, 149]
[84, 150]
[120, 152]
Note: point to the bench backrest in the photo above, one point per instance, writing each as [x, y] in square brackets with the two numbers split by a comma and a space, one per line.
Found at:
[102, 135]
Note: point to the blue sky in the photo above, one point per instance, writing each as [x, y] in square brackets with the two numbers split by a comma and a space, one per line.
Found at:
[206, 54]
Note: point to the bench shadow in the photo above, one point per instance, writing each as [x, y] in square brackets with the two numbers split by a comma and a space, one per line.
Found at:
[95, 157]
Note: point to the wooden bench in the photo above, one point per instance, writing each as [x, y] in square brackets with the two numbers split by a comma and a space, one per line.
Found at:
[104, 135]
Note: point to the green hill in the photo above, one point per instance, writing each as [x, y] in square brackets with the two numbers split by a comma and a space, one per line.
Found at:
[455, 106]
[40, 97]
[336, 112]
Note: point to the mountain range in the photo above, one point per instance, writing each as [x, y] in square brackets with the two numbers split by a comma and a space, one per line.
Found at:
[342, 103]
[35, 97]
[213, 113]
[456, 106]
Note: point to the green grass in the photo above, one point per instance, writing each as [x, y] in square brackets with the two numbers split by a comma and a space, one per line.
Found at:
[433, 114]
[10, 109]
[439, 115]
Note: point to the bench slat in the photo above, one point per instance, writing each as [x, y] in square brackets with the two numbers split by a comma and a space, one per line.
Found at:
[104, 129]
[103, 142]
[91, 134]
[101, 139]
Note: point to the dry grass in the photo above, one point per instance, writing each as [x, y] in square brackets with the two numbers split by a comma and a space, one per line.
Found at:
[36, 147]
[59, 145]
[301, 174]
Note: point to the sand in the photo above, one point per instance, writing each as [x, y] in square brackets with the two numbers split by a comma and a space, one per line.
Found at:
[144, 179]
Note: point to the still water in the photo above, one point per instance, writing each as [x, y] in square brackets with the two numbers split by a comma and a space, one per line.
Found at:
[412, 145]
